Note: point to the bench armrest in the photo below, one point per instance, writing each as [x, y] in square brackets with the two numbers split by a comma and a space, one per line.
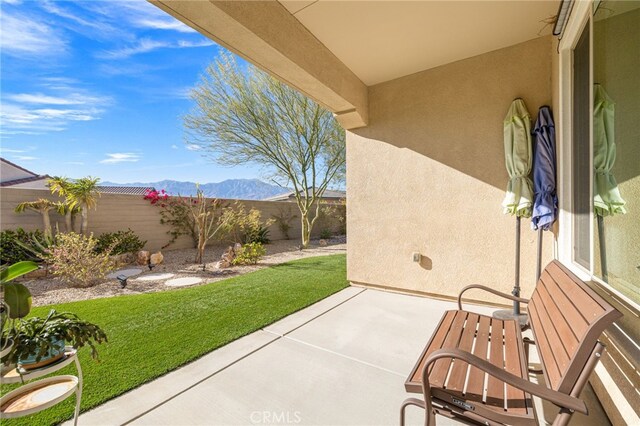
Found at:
[490, 290]
[560, 399]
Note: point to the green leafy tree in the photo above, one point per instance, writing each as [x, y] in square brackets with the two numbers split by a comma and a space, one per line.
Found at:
[62, 186]
[42, 206]
[247, 116]
[83, 193]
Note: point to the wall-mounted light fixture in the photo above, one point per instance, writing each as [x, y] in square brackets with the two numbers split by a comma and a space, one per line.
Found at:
[563, 16]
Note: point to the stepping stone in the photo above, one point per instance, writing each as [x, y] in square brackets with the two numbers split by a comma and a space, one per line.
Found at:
[126, 272]
[156, 277]
[179, 282]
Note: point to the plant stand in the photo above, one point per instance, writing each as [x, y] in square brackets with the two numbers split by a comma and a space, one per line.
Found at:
[42, 394]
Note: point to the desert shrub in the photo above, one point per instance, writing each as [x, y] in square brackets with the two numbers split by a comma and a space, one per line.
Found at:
[325, 234]
[283, 219]
[245, 227]
[73, 259]
[334, 217]
[19, 245]
[249, 254]
[258, 235]
[120, 242]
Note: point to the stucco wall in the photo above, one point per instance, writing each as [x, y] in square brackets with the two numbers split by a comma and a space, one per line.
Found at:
[428, 175]
[119, 212]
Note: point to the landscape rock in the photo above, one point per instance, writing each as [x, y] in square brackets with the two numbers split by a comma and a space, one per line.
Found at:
[38, 273]
[236, 248]
[143, 257]
[156, 258]
[222, 264]
[123, 259]
[322, 243]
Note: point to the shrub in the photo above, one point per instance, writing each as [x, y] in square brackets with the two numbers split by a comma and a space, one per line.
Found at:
[18, 245]
[245, 227]
[258, 235]
[75, 261]
[325, 234]
[249, 254]
[283, 219]
[120, 242]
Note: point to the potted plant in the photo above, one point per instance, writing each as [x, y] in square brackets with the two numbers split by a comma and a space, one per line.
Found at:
[40, 341]
[36, 342]
[16, 301]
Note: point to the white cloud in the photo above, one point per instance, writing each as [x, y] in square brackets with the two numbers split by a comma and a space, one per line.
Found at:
[27, 37]
[121, 157]
[24, 158]
[192, 147]
[174, 146]
[46, 112]
[14, 151]
[146, 45]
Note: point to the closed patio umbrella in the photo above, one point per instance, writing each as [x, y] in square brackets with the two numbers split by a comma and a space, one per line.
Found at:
[545, 203]
[607, 200]
[519, 197]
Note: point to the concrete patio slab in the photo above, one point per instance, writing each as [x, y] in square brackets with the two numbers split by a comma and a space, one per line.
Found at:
[342, 361]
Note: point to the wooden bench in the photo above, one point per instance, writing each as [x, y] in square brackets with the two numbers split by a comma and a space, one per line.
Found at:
[475, 367]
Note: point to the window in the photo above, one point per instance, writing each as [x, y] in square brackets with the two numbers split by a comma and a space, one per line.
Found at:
[616, 146]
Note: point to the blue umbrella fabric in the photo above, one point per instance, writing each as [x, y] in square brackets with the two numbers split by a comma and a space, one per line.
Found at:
[545, 204]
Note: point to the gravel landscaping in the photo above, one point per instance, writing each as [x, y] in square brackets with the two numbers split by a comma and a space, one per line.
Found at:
[47, 291]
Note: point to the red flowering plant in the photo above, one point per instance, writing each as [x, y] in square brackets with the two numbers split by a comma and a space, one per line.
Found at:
[154, 196]
[174, 212]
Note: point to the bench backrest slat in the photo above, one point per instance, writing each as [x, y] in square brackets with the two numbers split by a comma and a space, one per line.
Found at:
[566, 318]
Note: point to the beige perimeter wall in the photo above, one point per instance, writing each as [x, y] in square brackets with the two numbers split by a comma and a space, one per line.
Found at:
[428, 175]
[119, 212]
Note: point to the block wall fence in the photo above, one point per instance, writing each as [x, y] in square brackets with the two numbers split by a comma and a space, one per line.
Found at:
[117, 212]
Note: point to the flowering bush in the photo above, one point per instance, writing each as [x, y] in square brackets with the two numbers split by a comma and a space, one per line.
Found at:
[155, 196]
[249, 254]
[74, 260]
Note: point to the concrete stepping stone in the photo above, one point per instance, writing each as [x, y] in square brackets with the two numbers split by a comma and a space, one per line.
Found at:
[156, 277]
[179, 282]
[126, 272]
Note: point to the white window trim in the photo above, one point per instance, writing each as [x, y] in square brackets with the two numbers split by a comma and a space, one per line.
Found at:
[580, 17]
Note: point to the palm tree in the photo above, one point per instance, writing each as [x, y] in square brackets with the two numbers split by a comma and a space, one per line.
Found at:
[62, 186]
[42, 206]
[84, 194]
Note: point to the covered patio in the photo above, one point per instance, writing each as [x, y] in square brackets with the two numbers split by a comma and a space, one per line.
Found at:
[342, 361]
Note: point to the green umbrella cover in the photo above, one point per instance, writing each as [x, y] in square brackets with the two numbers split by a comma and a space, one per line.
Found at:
[517, 152]
[607, 199]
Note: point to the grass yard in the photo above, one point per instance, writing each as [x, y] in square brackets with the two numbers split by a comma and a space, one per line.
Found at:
[152, 334]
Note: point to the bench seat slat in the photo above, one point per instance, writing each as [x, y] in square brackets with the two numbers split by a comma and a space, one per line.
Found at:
[459, 371]
[551, 372]
[514, 364]
[475, 384]
[588, 305]
[495, 387]
[436, 343]
[441, 367]
[563, 329]
[573, 316]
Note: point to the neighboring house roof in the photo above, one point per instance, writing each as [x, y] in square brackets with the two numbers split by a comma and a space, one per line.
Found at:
[11, 174]
[329, 194]
[128, 190]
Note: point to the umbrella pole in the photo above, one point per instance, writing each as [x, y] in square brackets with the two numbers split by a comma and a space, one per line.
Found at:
[603, 250]
[539, 258]
[516, 287]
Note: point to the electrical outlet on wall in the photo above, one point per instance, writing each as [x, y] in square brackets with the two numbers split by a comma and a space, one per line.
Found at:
[416, 257]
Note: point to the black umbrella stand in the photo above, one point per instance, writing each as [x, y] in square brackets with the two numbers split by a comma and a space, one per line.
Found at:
[515, 314]
[603, 250]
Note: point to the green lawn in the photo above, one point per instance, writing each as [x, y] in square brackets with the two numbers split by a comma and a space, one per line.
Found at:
[152, 334]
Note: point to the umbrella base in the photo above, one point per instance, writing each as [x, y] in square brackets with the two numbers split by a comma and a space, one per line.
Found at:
[509, 315]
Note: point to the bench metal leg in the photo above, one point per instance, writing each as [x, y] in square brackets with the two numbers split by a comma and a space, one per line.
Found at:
[429, 418]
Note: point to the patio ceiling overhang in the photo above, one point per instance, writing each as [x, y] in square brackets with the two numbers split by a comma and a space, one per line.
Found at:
[333, 50]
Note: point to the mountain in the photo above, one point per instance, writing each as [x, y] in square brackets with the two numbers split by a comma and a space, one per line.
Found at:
[242, 189]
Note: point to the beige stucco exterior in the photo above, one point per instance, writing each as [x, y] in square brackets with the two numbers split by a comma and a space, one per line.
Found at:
[427, 175]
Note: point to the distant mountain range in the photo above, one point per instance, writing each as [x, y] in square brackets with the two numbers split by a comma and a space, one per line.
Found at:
[242, 189]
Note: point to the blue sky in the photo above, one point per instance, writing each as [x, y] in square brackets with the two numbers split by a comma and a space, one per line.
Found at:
[98, 88]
